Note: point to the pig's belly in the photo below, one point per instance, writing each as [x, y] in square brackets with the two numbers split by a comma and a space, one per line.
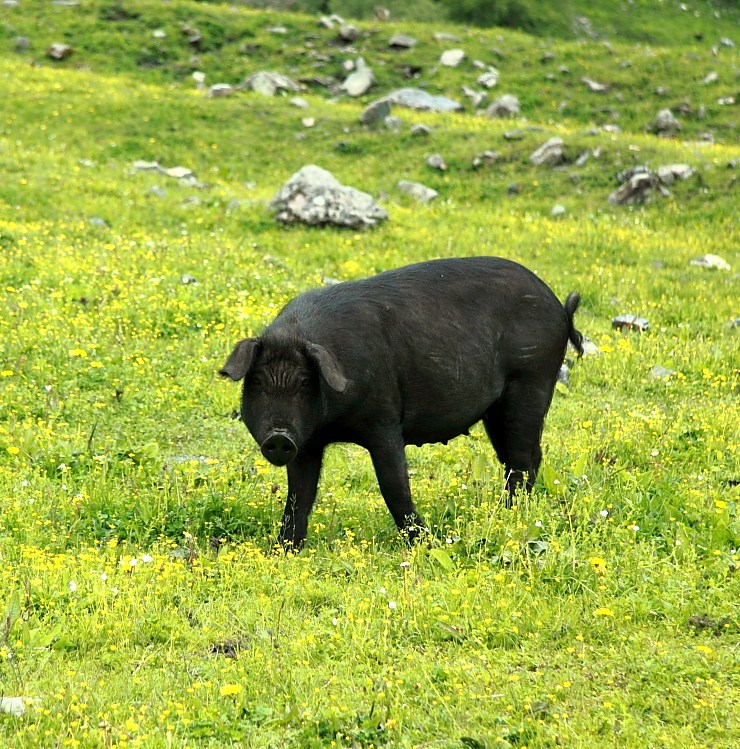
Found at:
[439, 425]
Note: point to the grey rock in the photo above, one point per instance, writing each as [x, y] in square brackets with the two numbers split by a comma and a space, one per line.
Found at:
[393, 123]
[712, 77]
[220, 91]
[489, 78]
[99, 223]
[583, 158]
[513, 189]
[280, 30]
[269, 83]
[188, 280]
[15, 706]
[595, 86]
[549, 153]
[421, 130]
[416, 190]
[328, 22]
[514, 134]
[435, 161]
[669, 173]
[726, 101]
[558, 210]
[314, 196]
[443, 36]
[298, 101]
[22, 44]
[349, 33]
[376, 112]
[505, 106]
[661, 373]
[485, 159]
[725, 42]
[665, 122]
[59, 51]
[564, 375]
[476, 97]
[402, 41]
[630, 322]
[548, 56]
[416, 98]
[157, 191]
[590, 348]
[358, 82]
[451, 58]
[710, 262]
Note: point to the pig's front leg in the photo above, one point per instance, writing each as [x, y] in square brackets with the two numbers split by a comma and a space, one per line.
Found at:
[389, 461]
[303, 481]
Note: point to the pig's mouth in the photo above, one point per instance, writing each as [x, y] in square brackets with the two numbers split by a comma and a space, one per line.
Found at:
[279, 448]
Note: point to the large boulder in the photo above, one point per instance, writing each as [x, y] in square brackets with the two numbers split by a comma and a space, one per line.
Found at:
[314, 196]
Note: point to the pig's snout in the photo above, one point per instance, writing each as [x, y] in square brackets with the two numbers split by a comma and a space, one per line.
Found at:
[279, 449]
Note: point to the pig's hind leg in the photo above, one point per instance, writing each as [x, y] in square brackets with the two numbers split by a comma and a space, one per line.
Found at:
[514, 426]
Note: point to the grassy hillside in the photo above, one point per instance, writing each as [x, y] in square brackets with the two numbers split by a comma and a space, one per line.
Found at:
[140, 601]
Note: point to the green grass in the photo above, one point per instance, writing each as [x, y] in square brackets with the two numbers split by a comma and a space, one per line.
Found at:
[602, 611]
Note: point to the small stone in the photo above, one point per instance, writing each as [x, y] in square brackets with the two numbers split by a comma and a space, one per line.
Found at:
[179, 172]
[488, 79]
[22, 44]
[435, 161]
[590, 348]
[451, 58]
[349, 33]
[710, 262]
[220, 91]
[665, 122]
[726, 101]
[583, 158]
[558, 210]
[58, 51]
[513, 189]
[376, 112]
[393, 123]
[188, 280]
[549, 56]
[15, 706]
[401, 41]
[476, 97]
[595, 86]
[661, 373]
[299, 102]
[416, 98]
[505, 106]
[630, 322]
[99, 223]
[421, 130]
[281, 30]
[308, 122]
[549, 153]
[514, 134]
[712, 77]
[485, 159]
[443, 36]
[669, 173]
[416, 190]
[563, 375]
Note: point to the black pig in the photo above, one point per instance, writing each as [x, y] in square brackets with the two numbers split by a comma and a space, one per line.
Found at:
[411, 356]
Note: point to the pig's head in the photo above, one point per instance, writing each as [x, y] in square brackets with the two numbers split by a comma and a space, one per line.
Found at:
[283, 395]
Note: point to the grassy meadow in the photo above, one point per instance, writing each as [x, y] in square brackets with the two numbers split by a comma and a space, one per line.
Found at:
[141, 601]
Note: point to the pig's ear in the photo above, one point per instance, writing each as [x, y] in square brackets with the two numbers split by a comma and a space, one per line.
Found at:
[240, 361]
[328, 366]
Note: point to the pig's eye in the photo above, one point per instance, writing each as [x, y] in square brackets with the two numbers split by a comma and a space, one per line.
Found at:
[306, 382]
[255, 381]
